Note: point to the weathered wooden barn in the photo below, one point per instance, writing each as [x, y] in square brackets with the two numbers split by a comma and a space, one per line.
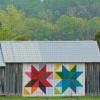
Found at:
[49, 68]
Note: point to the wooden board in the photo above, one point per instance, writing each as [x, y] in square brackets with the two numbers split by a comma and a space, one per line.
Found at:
[92, 84]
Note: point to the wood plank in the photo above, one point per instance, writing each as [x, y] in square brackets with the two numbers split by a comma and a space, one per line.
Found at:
[89, 78]
[7, 78]
[12, 86]
[85, 79]
[14, 80]
[5, 83]
[92, 80]
[10, 79]
[2, 80]
[20, 79]
[98, 79]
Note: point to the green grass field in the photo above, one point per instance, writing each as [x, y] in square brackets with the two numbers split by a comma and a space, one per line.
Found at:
[51, 98]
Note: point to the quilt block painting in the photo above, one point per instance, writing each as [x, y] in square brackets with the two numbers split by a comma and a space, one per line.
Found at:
[53, 80]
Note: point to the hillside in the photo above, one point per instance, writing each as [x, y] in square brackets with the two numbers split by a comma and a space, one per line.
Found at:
[51, 19]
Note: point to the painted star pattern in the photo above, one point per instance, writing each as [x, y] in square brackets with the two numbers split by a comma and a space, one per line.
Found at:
[69, 79]
[38, 78]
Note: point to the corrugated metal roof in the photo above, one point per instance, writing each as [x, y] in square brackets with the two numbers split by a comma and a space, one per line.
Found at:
[50, 51]
[1, 59]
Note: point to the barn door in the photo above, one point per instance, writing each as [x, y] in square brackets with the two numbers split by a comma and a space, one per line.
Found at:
[1, 80]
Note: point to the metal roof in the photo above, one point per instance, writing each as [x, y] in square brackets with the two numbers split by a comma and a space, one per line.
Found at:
[1, 59]
[50, 51]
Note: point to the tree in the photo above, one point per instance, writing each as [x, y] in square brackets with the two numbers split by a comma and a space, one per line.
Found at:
[4, 34]
[45, 15]
[97, 37]
[38, 29]
[96, 8]
[71, 11]
[93, 26]
[61, 5]
[70, 28]
[16, 20]
[22, 38]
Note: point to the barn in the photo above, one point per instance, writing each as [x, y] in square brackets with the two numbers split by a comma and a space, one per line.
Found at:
[49, 68]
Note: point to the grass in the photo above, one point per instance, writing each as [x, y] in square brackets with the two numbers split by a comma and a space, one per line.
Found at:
[51, 98]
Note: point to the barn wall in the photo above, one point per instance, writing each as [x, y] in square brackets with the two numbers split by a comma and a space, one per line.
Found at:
[13, 80]
[92, 79]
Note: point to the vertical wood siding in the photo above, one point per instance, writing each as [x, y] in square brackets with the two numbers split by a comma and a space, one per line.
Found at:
[13, 80]
[92, 84]
[1, 80]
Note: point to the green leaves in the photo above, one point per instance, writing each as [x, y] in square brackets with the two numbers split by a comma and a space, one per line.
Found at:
[70, 27]
[51, 24]
[97, 37]
[39, 29]
[16, 20]
[22, 38]
[46, 15]
[4, 34]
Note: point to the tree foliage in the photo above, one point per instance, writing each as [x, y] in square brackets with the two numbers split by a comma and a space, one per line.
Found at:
[78, 8]
[14, 20]
[22, 38]
[97, 37]
[4, 34]
[54, 21]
